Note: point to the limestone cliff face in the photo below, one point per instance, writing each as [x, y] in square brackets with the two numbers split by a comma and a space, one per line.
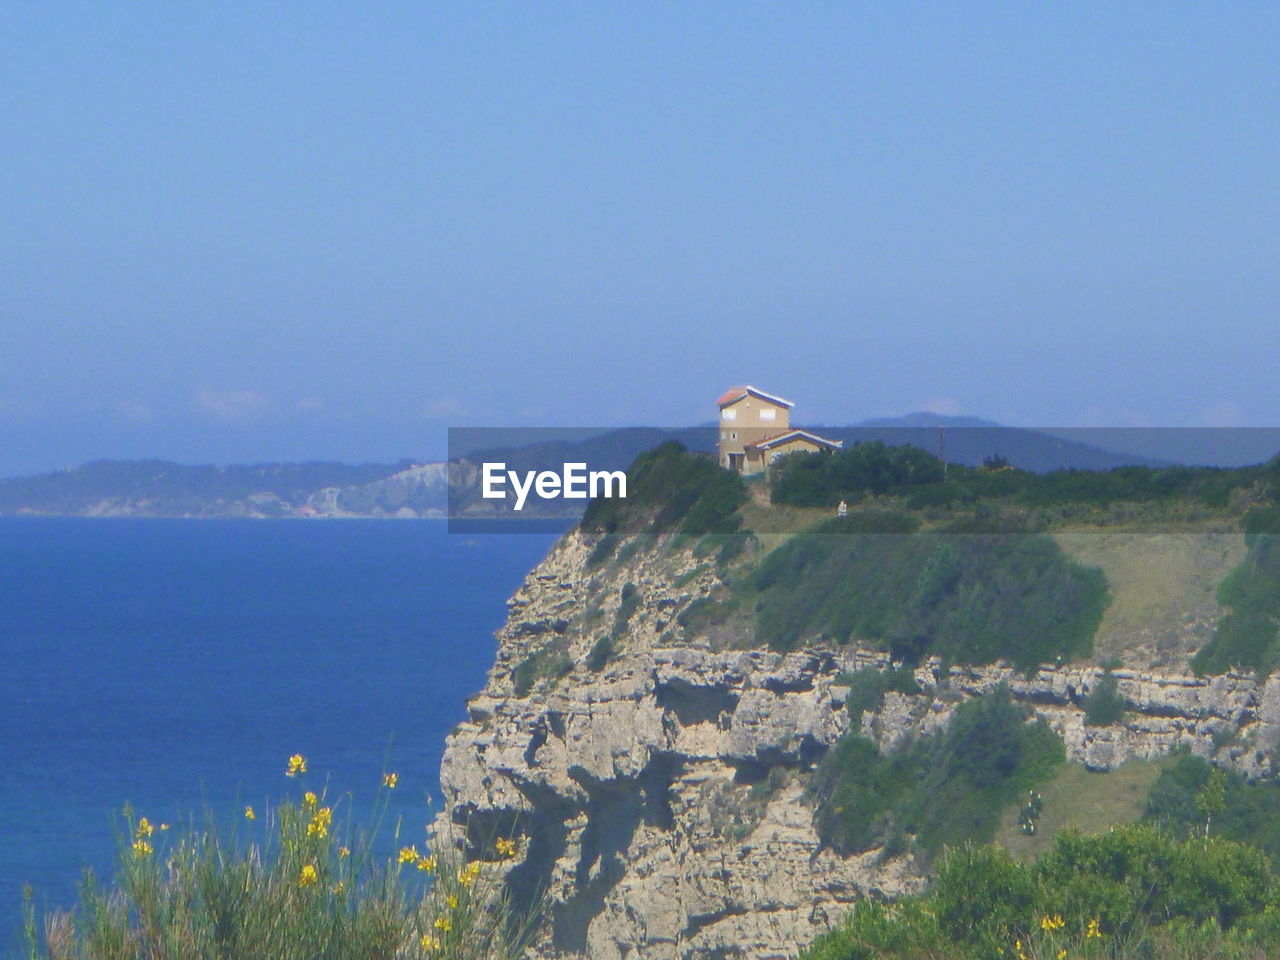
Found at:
[659, 798]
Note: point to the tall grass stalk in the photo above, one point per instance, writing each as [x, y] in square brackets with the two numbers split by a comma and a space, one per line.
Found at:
[300, 882]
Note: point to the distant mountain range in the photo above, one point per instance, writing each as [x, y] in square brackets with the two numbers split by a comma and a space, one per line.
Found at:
[157, 488]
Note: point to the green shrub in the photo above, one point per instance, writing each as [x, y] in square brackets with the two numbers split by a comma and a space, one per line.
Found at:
[875, 930]
[945, 788]
[1250, 812]
[1135, 893]
[983, 897]
[824, 479]
[606, 648]
[967, 598]
[1246, 636]
[1104, 706]
[603, 550]
[1138, 872]
[690, 575]
[701, 613]
[628, 603]
[549, 663]
[868, 687]
[601, 653]
[670, 489]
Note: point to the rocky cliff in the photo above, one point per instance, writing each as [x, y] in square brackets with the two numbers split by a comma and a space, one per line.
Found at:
[655, 779]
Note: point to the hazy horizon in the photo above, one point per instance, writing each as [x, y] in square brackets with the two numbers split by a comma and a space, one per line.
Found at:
[245, 234]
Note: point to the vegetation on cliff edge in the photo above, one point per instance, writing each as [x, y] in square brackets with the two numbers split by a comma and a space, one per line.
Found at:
[1131, 894]
[299, 882]
[868, 469]
[943, 788]
[1248, 635]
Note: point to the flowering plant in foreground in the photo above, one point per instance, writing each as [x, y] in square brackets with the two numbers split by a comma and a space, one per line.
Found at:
[297, 882]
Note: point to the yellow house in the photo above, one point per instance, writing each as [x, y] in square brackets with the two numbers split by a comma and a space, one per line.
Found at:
[755, 429]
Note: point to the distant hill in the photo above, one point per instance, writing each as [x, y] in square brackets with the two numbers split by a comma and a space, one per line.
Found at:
[158, 488]
[408, 489]
[970, 440]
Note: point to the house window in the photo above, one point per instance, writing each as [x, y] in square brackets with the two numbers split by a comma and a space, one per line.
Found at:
[729, 414]
[769, 415]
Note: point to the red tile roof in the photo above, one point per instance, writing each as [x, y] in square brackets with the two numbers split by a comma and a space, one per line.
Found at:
[737, 393]
[730, 395]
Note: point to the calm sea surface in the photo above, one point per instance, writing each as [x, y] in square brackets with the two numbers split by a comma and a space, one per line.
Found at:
[175, 666]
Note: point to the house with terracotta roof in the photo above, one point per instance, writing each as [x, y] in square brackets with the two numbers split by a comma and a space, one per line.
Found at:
[755, 430]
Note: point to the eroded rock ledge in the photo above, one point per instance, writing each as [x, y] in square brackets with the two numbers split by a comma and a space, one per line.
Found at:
[660, 800]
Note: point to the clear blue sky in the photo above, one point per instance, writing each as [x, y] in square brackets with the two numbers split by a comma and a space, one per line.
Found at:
[248, 231]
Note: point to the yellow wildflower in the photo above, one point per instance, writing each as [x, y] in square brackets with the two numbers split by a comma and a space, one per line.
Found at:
[339, 886]
[427, 864]
[297, 765]
[1051, 923]
[408, 854]
[1062, 954]
[320, 821]
[249, 814]
[505, 847]
[309, 799]
[142, 849]
[452, 901]
[429, 942]
[444, 923]
[389, 780]
[467, 876]
[1093, 932]
[308, 876]
[343, 853]
[145, 829]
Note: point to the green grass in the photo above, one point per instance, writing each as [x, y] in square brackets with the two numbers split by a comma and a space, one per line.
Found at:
[1163, 590]
[1077, 798]
[295, 883]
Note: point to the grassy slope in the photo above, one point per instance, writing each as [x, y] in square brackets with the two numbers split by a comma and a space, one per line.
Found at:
[1076, 797]
[1163, 605]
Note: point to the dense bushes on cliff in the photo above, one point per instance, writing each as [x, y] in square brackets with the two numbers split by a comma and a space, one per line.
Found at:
[944, 788]
[824, 479]
[1248, 634]
[1185, 799]
[671, 489]
[969, 598]
[1135, 892]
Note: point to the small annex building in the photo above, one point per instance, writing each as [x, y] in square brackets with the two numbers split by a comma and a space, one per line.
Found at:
[755, 430]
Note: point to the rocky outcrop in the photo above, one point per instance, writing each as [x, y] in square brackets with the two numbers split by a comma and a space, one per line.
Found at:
[659, 801]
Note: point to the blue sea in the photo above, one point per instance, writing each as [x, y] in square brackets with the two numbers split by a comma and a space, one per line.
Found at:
[175, 665]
